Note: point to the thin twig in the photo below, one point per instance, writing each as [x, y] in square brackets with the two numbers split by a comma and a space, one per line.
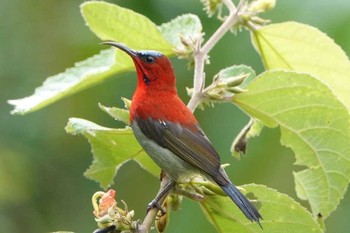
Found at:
[202, 52]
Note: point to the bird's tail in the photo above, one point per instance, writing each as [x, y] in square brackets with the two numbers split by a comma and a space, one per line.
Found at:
[242, 202]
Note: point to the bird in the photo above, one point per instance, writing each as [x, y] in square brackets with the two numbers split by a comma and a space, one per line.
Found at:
[168, 131]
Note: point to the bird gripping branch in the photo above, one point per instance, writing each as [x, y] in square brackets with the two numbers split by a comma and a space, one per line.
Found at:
[168, 131]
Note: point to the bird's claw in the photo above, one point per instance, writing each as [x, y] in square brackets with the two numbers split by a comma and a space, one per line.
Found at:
[155, 204]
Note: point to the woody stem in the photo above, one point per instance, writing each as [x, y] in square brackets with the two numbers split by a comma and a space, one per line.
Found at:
[202, 52]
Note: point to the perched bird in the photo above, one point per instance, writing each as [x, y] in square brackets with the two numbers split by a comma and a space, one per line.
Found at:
[168, 131]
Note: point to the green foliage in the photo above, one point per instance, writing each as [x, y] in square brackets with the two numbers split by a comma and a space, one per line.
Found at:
[118, 114]
[111, 149]
[101, 19]
[281, 213]
[302, 48]
[183, 26]
[309, 115]
[226, 83]
[305, 99]
[83, 75]
[111, 22]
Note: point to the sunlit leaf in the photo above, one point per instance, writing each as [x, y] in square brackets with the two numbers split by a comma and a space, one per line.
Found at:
[118, 114]
[111, 149]
[280, 212]
[314, 124]
[83, 75]
[303, 48]
[109, 22]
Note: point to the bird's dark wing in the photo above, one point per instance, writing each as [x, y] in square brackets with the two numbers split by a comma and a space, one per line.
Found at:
[190, 144]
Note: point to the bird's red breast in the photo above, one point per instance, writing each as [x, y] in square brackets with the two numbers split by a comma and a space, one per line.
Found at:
[159, 105]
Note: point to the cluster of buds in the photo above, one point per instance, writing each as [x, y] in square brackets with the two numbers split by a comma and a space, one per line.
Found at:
[197, 187]
[109, 217]
[222, 89]
[212, 6]
[249, 12]
[189, 46]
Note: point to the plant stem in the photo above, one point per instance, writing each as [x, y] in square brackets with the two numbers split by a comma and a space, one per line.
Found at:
[202, 52]
[152, 213]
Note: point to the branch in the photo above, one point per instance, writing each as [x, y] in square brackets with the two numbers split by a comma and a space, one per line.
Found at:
[152, 213]
[202, 52]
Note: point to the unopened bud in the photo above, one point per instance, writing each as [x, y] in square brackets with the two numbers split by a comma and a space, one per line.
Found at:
[262, 5]
[211, 6]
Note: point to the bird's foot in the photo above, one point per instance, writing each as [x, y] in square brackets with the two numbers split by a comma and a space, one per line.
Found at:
[155, 204]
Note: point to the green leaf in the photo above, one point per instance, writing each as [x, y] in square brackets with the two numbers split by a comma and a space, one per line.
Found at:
[111, 22]
[303, 48]
[238, 71]
[82, 76]
[118, 114]
[314, 124]
[187, 25]
[111, 149]
[108, 21]
[280, 212]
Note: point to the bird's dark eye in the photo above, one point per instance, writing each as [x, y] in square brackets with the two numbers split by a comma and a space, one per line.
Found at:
[148, 59]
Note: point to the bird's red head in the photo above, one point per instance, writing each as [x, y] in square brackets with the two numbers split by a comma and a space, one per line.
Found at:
[155, 96]
[154, 69]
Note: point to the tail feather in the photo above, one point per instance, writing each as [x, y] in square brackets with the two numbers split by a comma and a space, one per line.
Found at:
[242, 202]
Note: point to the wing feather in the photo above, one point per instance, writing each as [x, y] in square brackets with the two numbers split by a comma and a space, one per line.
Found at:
[189, 143]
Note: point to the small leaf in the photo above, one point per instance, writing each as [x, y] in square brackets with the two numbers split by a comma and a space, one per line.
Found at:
[314, 124]
[238, 71]
[187, 26]
[226, 84]
[127, 103]
[111, 22]
[111, 148]
[303, 48]
[118, 114]
[280, 212]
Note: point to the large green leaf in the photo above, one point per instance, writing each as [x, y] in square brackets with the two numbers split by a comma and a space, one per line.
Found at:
[83, 75]
[109, 22]
[280, 212]
[303, 48]
[314, 124]
[111, 149]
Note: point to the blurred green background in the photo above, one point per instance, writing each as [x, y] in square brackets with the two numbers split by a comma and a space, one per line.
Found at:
[42, 187]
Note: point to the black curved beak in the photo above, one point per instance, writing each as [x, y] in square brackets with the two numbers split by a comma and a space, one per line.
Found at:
[122, 47]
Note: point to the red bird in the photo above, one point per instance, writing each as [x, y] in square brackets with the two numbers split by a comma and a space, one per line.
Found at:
[168, 131]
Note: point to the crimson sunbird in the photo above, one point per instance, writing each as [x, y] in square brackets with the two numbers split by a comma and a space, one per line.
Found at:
[168, 131]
